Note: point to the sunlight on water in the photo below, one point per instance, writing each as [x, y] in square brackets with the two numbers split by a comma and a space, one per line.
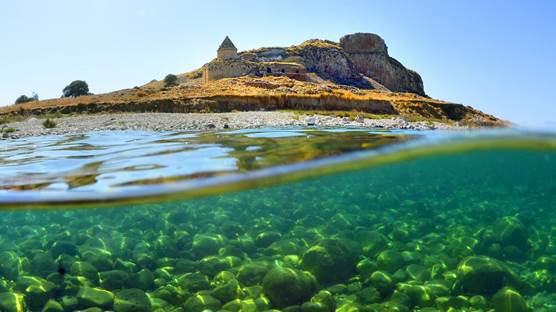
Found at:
[100, 161]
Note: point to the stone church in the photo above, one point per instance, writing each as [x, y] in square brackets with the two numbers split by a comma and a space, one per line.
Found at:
[228, 64]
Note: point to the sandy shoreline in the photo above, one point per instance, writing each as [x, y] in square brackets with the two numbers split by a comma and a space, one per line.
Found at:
[198, 121]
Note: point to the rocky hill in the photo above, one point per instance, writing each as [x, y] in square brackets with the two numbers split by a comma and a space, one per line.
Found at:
[359, 60]
[355, 75]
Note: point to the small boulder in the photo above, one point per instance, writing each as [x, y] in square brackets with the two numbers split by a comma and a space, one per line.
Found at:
[331, 260]
[53, 306]
[199, 303]
[227, 291]
[390, 261]
[95, 297]
[132, 300]
[207, 244]
[252, 273]
[483, 275]
[509, 300]
[114, 279]
[285, 287]
[11, 302]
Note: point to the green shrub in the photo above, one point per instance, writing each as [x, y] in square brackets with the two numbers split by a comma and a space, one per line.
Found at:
[49, 123]
[76, 88]
[25, 99]
[170, 80]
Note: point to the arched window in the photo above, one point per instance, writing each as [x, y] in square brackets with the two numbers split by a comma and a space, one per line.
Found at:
[283, 71]
[268, 70]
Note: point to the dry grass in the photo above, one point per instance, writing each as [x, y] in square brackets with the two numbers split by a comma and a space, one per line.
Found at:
[406, 104]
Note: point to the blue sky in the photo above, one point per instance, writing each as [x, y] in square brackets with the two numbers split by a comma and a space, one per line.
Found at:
[498, 56]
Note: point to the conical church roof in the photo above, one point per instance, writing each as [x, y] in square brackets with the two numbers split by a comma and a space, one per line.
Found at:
[227, 44]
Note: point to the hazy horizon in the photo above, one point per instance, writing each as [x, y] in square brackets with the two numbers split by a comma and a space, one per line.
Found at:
[497, 56]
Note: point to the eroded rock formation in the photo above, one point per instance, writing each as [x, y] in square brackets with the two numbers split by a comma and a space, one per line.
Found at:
[369, 55]
[359, 60]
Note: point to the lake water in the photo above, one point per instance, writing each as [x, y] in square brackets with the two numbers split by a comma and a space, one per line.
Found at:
[301, 220]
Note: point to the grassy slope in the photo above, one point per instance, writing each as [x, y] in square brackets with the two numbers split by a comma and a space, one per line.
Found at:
[258, 92]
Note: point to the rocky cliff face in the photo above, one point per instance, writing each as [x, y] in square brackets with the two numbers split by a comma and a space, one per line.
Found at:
[369, 55]
[359, 60]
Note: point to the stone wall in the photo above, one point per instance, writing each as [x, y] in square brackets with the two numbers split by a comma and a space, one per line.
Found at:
[219, 69]
[227, 69]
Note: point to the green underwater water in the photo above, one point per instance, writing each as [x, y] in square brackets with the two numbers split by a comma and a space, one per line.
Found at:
[471, 229]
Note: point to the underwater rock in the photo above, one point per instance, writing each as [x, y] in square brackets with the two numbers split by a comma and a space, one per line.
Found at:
[478, 302]
[99, 258]
[52, 306]
[95, 297]
[227, 291]
[266, 238]
[325, 301]
[252, 273]
[313, 307]
[483, 275]
[448, 303]
[223, 277]
[82, 268]
[69, 303]
[25, 281]
[418, 272]
[113, 280]
[368, 295]
[509, 300]
[131, 300]
[63, 247]
[9, 265]
[193, 282]
[186, 266]
[92, 309]
[144, 280]
[285, 287]
[36, 296]
[199, 303]
[170, 294]
[365, 268]
[286, 247]
[128, 266]
[390, 261]
[513, 237]
[331, 260]
[43, 264]
[11, 302]
[383, 282]
[417, 294]
[372, 242]
[232, 305]
[207, 244]
[212, 265]
[253, 291]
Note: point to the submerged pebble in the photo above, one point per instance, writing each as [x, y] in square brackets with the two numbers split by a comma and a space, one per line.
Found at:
[376, 240]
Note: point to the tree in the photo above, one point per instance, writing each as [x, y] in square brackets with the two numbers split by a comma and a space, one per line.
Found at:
[170, 80]
[76, 88]
[23, 99]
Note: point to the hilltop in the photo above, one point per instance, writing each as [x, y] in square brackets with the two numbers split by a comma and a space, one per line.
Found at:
[354, 74]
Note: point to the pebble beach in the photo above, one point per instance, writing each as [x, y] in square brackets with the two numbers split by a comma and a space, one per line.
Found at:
[198, 121]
